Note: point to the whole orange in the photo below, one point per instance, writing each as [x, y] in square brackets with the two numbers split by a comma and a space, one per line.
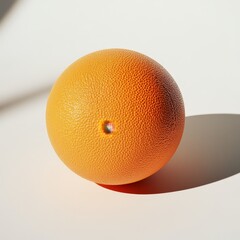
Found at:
[115, 116]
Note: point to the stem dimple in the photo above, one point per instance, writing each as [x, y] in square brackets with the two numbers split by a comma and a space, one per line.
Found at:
[107, 127]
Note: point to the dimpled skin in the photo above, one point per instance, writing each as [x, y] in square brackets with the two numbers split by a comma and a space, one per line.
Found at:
[136, 95]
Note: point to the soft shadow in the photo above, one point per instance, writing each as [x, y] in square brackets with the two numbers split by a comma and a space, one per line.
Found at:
[24, 97]
[209, 152]
[5, 6]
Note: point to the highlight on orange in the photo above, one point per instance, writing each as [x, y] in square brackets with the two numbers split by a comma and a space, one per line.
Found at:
[115, 116]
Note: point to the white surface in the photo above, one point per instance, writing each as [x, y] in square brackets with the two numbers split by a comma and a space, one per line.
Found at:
[197, 41]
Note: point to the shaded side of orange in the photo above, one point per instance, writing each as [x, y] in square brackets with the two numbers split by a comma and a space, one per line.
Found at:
[133, 92]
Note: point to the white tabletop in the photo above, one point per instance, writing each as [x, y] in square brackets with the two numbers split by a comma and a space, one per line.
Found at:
[198, 43]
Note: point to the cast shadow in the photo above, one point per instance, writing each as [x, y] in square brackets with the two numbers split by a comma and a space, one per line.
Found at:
[209, 152]
[24, 97]
[5, 6]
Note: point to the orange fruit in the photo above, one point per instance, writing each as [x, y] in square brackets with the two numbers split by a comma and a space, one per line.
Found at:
[115, 116]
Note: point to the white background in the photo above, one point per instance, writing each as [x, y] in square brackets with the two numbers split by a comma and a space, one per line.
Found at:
[196, 41]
